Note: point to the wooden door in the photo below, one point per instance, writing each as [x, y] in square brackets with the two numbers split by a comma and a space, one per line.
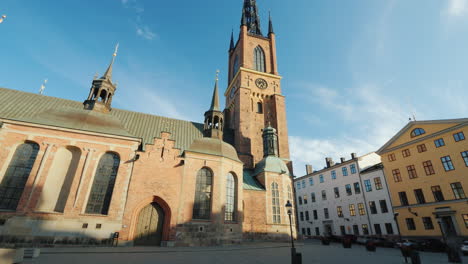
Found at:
[150, 226]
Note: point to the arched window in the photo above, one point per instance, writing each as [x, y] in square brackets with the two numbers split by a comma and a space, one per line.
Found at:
[275, 203]
[103, 184]
[202, 204]
[17, 173]
[417, 132]
[231, 198]
[259, 108]
[235, 67]
[259, 59]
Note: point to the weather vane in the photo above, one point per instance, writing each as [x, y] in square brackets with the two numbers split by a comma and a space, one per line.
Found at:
[2, 18]
[41, 91]
[217, 75]
[116, 49]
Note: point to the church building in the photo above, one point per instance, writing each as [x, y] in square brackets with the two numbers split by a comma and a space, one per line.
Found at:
[84, 172]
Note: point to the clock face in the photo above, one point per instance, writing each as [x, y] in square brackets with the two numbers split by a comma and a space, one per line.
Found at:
[261, 83]
[233, 92]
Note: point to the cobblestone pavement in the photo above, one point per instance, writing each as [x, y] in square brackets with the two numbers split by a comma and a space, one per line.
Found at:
[268, 253]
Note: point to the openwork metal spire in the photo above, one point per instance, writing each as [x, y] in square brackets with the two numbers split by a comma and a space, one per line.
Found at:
[250, 17]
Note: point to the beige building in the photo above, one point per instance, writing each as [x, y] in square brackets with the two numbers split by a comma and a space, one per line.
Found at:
[82, 172]
[426, 165]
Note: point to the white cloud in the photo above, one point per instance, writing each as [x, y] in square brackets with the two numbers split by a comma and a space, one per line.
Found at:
[457, 7]
[145, 32]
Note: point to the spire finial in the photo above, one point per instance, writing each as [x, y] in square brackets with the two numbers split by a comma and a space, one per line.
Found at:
[215, 100]
[108, 73]
[2, 18]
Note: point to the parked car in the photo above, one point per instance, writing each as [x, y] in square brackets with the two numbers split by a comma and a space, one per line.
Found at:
[464, 248]
[433, 245]
[382, 242]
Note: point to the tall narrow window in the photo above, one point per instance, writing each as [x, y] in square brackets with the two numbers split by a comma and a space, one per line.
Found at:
[410, 224]
[447, 162]
[337, 192]
[389, 228]
[383, 206]
[357, 188]
[439, 142]
[372, 207]
[275, 203]
[353, 168]
[368, 185]
[348, 189]
[103, 184]
[259, 108]
[17, 173]
[311, 181]
[259, 59]
[325, 212]
[324, 195]
[396, 175]
[378, 183]
[361, 209]
[427, 221]
[411, 172]
[345, 171]
[391, 157]
[465, 157]
[231, 191]
[365, 229]
[312, 197]
[352, 210]
[458, 190]
[437, 192]
[428, 168]
[418, 193]
[406, 153]
[421, 148]
[333, 175]
[403, 198]
[202, 203]
[321, 178]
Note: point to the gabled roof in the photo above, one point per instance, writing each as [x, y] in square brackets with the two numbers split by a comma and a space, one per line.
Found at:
[460, 121]
[51, 111]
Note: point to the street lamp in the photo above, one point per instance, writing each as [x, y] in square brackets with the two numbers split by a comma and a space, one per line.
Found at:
[395, 215]
[293, 249]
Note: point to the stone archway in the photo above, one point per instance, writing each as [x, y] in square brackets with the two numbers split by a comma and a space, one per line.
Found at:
[150, 225]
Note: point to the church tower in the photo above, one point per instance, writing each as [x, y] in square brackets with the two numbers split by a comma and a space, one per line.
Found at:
[102, 90]
[253, 97]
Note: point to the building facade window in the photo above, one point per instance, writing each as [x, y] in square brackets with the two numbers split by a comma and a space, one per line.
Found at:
[464, 155]
[459, 136]
[439, 142]
[308, 231]
[298, 185]
[365, 229]
[343, 230]
[315, 214]
[411, 172]
[325, 213]
[305, 199]
[202, 205]
[103, 184]
[421, 148]
[357, 188]
[406, 153]
[383, 206]
[333, 175]
[465, 219]
[417, 132]
[428, 168]
[324, 195]
[311, 181]
[353, 168]
[337, 192]
[349, 191]
[389, 228]
[259, 108]
[301, 216]
[356, 230]
[378, 183]
[368, 185]
[458, 190]
[345, 171]
[339, 211]
[259, 59]
[427, 221]
[391, 157]
[403, 198]
[372, 207]
[352, 210]
[377, 229]
[17, 174]
[303, 183]
[275, 203]
[300, 200]
[231, 195]
[317, 231]
[312, 197]
[447, 162]
[289, 193]
[418, 193]
[396, 175]
[361, 209]
[410, 224]
[321, 178]
[437, 192]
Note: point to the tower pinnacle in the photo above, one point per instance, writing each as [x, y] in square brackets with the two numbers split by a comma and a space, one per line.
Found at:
[108, 73]
[250, 17]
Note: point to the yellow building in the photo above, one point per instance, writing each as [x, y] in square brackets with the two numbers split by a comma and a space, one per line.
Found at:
[426, 166]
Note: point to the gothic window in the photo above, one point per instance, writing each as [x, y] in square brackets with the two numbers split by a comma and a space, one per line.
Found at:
[202, 205]
[235, 67]
[17, 173]
[259, 108]
[275, 203]
[103, 184]
[231, 190]
[259, 59]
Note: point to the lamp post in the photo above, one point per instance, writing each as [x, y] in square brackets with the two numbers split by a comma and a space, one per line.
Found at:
[395, 215]
[293, 249]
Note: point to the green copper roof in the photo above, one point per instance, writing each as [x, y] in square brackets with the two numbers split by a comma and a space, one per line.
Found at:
[271, 164]
[57, 112]
[250, 183]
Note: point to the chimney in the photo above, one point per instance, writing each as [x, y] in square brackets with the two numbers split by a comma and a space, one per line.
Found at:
[329, 162]
[342, 159]
[309, 169]
[353, 155]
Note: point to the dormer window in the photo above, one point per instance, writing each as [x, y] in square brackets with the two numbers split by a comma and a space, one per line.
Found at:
[417, 132]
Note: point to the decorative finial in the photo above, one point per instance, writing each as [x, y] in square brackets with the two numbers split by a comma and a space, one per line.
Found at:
[217, 75]
[41, 90]
[95, 76]
[116, 49]
[2, 18]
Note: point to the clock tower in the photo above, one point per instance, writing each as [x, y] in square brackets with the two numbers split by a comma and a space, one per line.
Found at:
[253, 96]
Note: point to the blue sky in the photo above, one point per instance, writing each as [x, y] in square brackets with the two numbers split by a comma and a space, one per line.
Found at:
[354, 71]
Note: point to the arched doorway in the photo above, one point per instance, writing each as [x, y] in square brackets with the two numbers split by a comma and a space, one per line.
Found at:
[149, 229]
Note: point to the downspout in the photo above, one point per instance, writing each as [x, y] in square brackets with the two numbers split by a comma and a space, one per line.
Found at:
[364, 197]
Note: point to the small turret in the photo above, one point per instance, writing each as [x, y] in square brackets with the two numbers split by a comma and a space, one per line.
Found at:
[214, 118]
[270, 142]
